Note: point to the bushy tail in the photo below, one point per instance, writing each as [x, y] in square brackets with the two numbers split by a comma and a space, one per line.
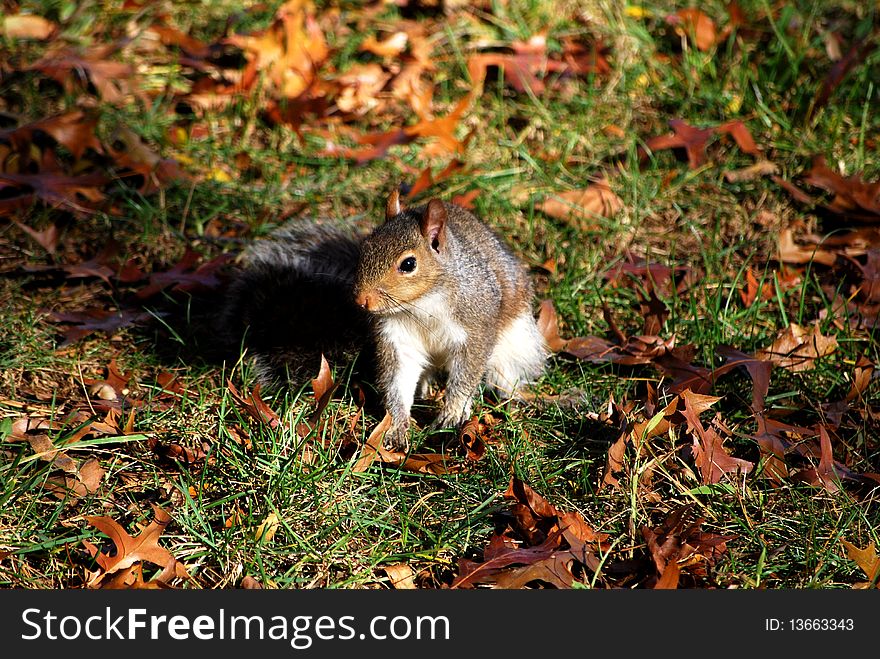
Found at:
[290, 301]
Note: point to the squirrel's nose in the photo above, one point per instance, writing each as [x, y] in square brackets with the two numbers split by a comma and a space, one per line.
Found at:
[363, 301]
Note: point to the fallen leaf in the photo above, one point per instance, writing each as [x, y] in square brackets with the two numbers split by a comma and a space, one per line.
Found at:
[255, 406]
[867, 559]
[371, 447]
[289, 52]
[47, 238]
[133, 157]
[548, 325]
[583, 208]
[90, 474]
[420, 463]
[250, 583]
[26, 26]
[854, 198]
[361, 86]
[187, 275]
[472, 437]
[92, 320]
[696, 25]
[752, 172]
[863, 373]
[74, 130]
[683, 548]
[824, 474]
[711, 457]
[323, 385]
[694, 140]
[791, 252]
[797, 348]
[540, 545]
[400, 575]
[755, 290]
[43, 447]
[80, 194]
[68, 65]
[266, 529]
[129, 550]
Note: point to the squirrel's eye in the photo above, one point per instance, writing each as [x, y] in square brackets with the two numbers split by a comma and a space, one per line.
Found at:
[408, 264]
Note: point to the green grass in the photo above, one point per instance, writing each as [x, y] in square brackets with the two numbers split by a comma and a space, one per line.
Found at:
[338, 528]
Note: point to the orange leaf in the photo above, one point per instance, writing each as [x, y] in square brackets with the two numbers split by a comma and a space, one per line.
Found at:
[695, 24]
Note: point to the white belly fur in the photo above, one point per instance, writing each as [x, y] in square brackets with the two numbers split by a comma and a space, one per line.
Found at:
[425, 340]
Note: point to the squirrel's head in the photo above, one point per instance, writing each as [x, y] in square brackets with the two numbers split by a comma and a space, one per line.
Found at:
[401, 260]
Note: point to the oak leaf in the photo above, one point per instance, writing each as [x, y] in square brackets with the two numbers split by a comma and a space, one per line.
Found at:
[867, 559]
[143, 547]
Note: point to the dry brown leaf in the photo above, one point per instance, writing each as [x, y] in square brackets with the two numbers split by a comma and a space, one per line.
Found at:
[361, 87]
[90, 474]
[372, 445]
[791, 252]
[554, 570]
[131, 578]
[797, 348]
[583, 207]
[129, 550]
[825, 474]
[255, 406]
[48, 452]
[549, 326]
[26, 26]
[401, 576]
[750, 173]
[323, 384]
[867, 559]
[47, 238]
[472, 436]
[695, 140]
[421, 463]
[71, 66]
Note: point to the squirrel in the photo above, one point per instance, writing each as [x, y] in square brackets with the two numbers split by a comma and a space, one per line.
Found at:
[431, 292]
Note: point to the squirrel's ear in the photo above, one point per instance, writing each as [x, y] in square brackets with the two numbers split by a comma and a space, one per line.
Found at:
[434, 224]
[392, 206]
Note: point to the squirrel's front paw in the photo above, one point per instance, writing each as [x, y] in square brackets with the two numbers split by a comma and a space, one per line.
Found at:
[397, 438]
[450, 419]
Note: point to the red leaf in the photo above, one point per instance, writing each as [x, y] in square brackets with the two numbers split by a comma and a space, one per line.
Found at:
[185, 276]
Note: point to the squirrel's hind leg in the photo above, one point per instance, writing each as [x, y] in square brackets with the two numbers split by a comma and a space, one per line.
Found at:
[518, 358]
